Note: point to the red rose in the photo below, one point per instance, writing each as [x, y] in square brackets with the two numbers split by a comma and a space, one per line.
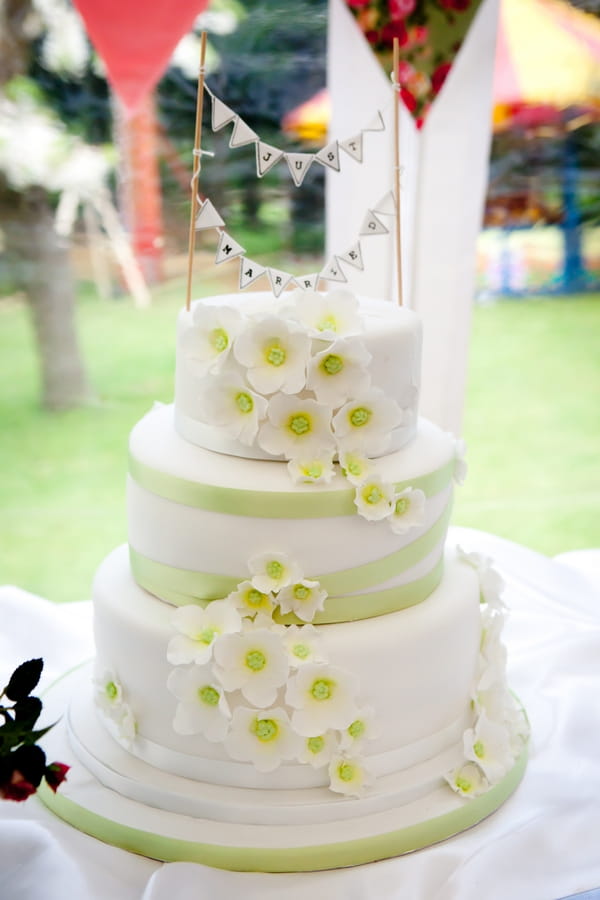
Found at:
[55, 774]
[400, 9]
[394, 30]
[410, 101]
[439, 76]
[18, 788]
[372, 37]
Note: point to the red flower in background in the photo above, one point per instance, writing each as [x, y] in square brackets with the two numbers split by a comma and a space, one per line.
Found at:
[400, 9]
[439, 76]
[409, 99]
[394, 30]
[456, 5]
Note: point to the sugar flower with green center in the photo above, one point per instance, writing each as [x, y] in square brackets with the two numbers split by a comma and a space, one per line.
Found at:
[254, 662]
[460, 462]
[366, 422]
[202, 707]
[339, 372]
[296, 427]
[198, 629]
[322, 696]
[355, 467]
[349, 775]
[318, 749]
[303, 598]
[262, 737]
[273, 571]
[274, 354]
[362, 729]
[313, 468]
[408, 510]
[207, 343]
[229, 403]
[327, 316]
[490, 581]
[488, 745]
[250, 600]
[110, 699]
[303, 645]
[468, 780]
[373, 499]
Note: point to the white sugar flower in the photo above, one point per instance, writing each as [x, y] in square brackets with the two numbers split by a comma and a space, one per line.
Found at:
[362, 728]
[255, 661]
[318, 749]
[490, 581]
[262, 737]
[274, 355]
[408, 510]
[314, 468]
[488, 745]
[323, 697]
[339, 372]
[228, 402]
[327, 316]
[355, 466]
[468, 780]
[304, 598]
[492, 699]
[349, 775]
[303, 644]
[367, 422]
[250, 600]
[263, 620]
[373, 499]
[198, 629]
[295, 427]
[273, 571]
[118, 716]
[460, 463]
[202, 707]
[206, 345]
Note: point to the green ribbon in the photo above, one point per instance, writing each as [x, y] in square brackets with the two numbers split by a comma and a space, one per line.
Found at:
[321, 504]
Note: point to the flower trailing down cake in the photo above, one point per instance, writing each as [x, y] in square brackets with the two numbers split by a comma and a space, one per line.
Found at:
[293, 669]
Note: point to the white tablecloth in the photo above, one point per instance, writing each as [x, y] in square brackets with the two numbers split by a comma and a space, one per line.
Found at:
[544, 843]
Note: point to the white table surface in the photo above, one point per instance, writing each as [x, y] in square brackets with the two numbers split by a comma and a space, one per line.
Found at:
[543, 844]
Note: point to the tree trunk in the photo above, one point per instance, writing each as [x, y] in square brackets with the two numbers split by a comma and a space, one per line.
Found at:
[40, 266]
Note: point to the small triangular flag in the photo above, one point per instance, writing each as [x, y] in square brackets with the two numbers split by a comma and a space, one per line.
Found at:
[242, 134]
[307, 282]
[279, 280]
[332, 271]
[376, 123]
[387, 205]
[249, 272]
[353, 147]
[221, 114]
[227, 249]
[299, 164]
[266, 157]
[372, 225]
[329, 156]
[208, 217]
[353, 257]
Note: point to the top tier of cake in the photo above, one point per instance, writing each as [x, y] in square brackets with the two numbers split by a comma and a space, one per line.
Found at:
[300, 377]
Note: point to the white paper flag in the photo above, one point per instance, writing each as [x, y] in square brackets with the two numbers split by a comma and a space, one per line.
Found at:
[249, 272]
[332, 271]
[266, 157]
[299, 164]
[228, 248]
[372, 225]
[387, 205]
[242, 134]
[353, 147]
[353, 257]
[221, 114]
[279, 280]
[330, 156]
[307, 282]
[208, 217]
[376, 123]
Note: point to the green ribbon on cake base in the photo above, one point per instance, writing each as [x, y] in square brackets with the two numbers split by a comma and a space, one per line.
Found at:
[299, 504]
[181, 587]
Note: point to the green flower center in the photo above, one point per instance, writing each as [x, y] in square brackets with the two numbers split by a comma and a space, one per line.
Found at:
[360, 416]
[313, 470]
[209, 695]
[274, 569]
[372, 495]
[315, 744]
[332, 364]
[301, 592]
[275, 355]
[254, 597]
[219, 339]
[206, 636]
[299, 423]
[256, 660]
[354, 467]
[265, 729]
[402, 506]
[111, 690]
[328, 323]
[322, 689]
[244, 402]
[478, 749]
[346, 771]
[301, 651]
[463, 784]
[356, 729]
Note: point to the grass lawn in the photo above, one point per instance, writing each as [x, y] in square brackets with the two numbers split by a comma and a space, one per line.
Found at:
[532, 427]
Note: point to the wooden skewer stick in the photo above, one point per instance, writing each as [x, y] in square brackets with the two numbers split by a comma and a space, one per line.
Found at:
[395, 81]
[196, 169]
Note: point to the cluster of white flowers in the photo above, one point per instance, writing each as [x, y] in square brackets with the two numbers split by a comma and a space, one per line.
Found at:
[266, 690]
[110, 700]
[500, 729]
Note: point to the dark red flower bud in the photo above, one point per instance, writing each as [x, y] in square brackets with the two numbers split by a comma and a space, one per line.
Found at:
[18, 788]
[55, 774]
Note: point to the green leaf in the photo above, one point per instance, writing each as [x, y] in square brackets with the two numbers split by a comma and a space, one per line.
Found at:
[27, 711]
[24, 679]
